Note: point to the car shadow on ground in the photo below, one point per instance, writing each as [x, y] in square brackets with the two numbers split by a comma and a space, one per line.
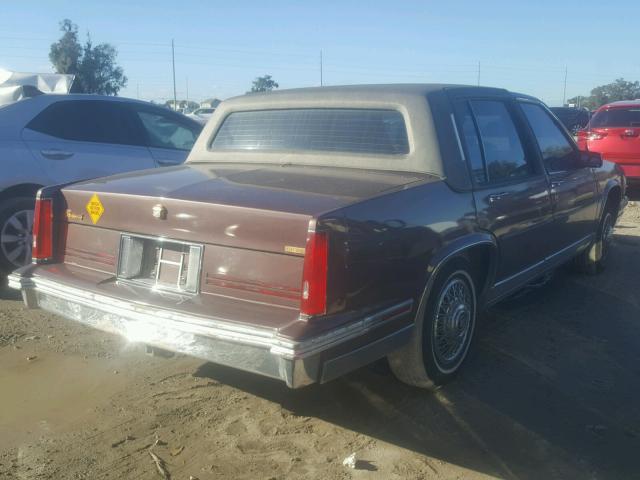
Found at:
[7, 293]
[550, 389]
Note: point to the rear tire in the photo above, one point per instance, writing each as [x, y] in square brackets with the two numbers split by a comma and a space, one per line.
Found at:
[16, 223]
[444, 328]
[594, 259]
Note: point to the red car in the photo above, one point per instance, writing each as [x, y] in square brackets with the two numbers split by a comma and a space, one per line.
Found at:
[614, 132]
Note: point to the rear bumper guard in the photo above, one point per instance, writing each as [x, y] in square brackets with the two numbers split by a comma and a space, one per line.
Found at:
[247, 348]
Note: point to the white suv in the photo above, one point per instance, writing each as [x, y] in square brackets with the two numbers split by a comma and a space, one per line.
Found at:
[54, 139]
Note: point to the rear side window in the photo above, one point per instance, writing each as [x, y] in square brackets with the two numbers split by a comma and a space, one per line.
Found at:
[557, 152]
[503, 153]
[617, 117]
[164, 130]
[338, 130]
[88, 121]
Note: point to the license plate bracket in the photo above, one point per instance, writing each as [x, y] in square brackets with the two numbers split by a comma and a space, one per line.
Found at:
[160, 264]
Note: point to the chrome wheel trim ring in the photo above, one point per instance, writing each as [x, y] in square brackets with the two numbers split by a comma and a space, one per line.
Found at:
[454, 322]
[16, 238]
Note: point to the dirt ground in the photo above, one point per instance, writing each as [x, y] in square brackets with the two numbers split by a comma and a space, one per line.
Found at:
[550, 391]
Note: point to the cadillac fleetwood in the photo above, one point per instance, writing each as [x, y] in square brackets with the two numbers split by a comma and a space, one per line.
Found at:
[314, 231]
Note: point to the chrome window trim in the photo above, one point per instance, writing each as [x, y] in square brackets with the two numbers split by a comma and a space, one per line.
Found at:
[455, 129]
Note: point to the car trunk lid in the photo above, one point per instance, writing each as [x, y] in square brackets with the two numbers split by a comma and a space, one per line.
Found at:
[232, 231]
[260, 208]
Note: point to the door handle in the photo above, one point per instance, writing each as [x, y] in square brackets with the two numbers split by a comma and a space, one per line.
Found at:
[557, 183]
[56, 154]
[494, 197]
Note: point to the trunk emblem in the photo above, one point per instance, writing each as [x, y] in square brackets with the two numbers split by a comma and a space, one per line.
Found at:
[159, 211]
[74, 216]
[295, 250]
[95, 208]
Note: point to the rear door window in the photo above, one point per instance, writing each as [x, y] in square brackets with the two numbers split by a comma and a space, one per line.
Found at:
[93, 121]
[617, 118]
[502, 149]
[558, 154]
[337, 130]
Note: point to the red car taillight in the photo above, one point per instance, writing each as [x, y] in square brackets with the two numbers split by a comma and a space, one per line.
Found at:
[596, 134]
[314, 275]
[43, 230]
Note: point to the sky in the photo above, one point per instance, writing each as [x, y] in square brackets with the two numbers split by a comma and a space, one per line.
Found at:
[221, 46]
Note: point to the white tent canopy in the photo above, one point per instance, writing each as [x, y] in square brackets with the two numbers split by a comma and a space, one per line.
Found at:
[15, 86]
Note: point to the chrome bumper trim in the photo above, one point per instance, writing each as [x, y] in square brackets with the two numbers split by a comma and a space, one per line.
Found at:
[248, 348]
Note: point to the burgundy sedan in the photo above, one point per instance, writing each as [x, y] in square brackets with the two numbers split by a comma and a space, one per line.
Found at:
[313, 231]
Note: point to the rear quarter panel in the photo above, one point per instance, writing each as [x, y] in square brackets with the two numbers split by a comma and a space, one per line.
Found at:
[390, 242]
[609, 176]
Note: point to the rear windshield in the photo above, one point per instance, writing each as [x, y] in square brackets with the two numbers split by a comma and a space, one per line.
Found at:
[336, 130]
[617, 117]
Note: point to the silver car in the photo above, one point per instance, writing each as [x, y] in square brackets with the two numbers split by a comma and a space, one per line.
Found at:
[54, 139]
[202, 115]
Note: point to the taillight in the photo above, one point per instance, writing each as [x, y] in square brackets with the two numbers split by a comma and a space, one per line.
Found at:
[43, 230]
[314, 275]
[596, 135]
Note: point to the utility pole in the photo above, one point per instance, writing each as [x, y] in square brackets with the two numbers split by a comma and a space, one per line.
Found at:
[321, 82]
[564, 92]
[173, 64]
[478, 73]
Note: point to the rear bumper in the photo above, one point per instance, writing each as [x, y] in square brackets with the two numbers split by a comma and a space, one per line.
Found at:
[297, 363]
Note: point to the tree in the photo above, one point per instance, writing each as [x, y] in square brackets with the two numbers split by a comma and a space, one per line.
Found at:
[612, 92]
[66, 53]
[263, 84]
[94, 67]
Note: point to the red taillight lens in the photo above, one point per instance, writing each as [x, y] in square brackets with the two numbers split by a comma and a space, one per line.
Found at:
[596, 135]
[43, 230]
[314, 275]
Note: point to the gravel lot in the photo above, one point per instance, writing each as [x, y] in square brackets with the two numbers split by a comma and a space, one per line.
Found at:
[550, 391]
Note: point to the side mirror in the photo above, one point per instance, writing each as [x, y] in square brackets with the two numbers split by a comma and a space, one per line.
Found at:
[590, 160]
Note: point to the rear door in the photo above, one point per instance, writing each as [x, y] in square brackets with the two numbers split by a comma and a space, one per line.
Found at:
[574, 192]
[510, 189]
[82, 139]
[168, 135]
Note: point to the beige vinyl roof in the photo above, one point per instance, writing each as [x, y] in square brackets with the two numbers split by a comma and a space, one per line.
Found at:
[408, 99]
